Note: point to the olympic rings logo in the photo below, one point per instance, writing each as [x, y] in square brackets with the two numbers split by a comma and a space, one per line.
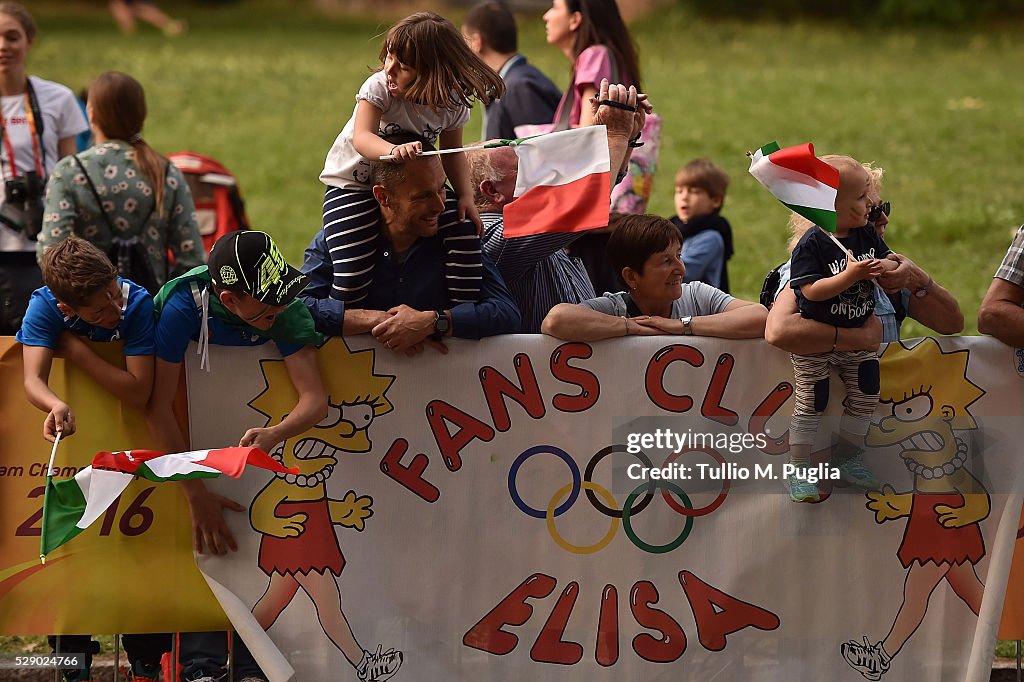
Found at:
[604, 502]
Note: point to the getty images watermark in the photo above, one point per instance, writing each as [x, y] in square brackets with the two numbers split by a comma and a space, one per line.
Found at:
[688, 440]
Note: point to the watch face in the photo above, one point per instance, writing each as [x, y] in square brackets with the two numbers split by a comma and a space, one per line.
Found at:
[442, 324]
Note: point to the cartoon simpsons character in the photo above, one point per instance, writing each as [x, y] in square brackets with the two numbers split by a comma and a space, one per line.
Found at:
[295, 515]
[924, 398]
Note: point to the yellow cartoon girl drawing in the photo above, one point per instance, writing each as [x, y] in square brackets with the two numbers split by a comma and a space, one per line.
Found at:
[924, 397]
[295, 515]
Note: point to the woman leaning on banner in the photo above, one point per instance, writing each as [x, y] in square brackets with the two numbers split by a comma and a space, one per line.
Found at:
[123, 196]
[39, 122]
[646, 251]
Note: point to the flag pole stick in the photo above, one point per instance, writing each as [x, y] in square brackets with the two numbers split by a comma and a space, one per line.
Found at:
[437, 152]
[49, 476]
[53, 451]
[471, 148]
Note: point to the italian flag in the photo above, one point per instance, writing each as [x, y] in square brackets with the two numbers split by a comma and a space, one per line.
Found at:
[796, 177]
[71, 505]
[563, 184]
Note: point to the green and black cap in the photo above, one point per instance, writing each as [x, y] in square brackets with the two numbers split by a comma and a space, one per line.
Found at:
[249, 262]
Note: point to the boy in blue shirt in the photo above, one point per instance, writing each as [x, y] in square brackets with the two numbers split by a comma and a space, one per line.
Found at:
[245, 296]
[85, 299]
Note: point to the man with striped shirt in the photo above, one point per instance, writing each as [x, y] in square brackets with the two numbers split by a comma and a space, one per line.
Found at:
[536, 268]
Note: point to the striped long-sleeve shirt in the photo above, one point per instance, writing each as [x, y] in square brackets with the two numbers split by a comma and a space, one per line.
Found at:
[538, 272]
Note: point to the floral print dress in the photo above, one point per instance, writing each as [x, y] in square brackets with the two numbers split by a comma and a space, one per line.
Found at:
[128, 201]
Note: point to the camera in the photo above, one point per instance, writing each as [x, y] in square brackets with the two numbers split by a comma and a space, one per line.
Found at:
[25, 193]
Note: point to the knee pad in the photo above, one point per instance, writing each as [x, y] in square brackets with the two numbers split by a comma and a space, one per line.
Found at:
[868, 378]
[821, 394]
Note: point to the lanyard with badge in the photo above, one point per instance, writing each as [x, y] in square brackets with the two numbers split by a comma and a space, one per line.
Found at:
[25, 191]
[35, 123]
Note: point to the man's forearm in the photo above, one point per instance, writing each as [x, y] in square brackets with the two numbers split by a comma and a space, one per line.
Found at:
[938, 310]
[1003, 320]
[358, 321]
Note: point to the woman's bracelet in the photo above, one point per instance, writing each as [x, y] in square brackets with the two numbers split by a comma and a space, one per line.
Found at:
[626, 320]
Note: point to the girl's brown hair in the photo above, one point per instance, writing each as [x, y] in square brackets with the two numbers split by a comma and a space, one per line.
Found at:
[118, 105]
[448, 73]
[21, 15]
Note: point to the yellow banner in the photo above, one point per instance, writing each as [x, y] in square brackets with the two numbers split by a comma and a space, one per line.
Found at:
[131, 571]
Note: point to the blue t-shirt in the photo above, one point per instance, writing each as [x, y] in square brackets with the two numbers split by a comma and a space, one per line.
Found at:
[181, 321]
[44, 322]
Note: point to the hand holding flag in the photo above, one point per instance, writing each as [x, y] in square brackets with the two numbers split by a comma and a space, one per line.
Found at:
[71, 505]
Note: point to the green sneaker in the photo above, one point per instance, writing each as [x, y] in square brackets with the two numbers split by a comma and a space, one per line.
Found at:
[853, 472]
[800, 489]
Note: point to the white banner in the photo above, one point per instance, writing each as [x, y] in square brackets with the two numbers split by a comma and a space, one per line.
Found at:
[468, 510]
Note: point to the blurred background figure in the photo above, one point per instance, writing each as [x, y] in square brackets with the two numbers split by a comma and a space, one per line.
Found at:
[121, 195]
[38, 125]
[125, 12]
[530, 96]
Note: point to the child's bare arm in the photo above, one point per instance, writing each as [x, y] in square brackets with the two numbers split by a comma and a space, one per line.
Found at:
[827, 287]
[456, 167]
[210, 532]
[37, 361]
[311, 407]
[369, 144]
[131, 386]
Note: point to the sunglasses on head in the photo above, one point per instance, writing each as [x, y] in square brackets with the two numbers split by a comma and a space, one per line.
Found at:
[877, 210]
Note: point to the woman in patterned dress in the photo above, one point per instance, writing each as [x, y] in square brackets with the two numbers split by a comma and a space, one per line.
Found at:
[123, 196]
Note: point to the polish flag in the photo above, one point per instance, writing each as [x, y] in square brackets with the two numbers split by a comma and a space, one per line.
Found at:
[563, 183]
[802, 182]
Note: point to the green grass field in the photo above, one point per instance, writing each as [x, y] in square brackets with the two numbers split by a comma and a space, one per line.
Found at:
[266, 86]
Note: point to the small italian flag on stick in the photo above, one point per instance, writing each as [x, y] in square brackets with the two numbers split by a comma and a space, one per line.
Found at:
[802, 182]
[71, 505]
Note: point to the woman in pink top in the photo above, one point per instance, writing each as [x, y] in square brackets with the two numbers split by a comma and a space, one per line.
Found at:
[597, 43]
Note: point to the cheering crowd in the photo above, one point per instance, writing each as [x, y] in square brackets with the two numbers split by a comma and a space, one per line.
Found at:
[103, 245]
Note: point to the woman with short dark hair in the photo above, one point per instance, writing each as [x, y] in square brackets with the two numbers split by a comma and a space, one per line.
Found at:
[645, 250]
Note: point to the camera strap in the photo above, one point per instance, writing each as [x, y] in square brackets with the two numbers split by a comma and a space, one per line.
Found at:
[35, 122]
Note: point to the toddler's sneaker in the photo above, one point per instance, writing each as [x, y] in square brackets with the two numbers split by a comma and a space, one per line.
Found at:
[853, 471]
[870, 660]
[800, 489]
[379, 666]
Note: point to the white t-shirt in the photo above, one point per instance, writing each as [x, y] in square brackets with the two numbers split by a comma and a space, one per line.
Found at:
[62, 118]
[346, 169]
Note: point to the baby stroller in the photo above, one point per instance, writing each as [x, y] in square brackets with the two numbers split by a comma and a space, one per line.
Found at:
[219, 205]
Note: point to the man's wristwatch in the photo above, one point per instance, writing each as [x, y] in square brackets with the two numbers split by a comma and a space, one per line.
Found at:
[923, 291]
[687, 329]
[442, 325]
